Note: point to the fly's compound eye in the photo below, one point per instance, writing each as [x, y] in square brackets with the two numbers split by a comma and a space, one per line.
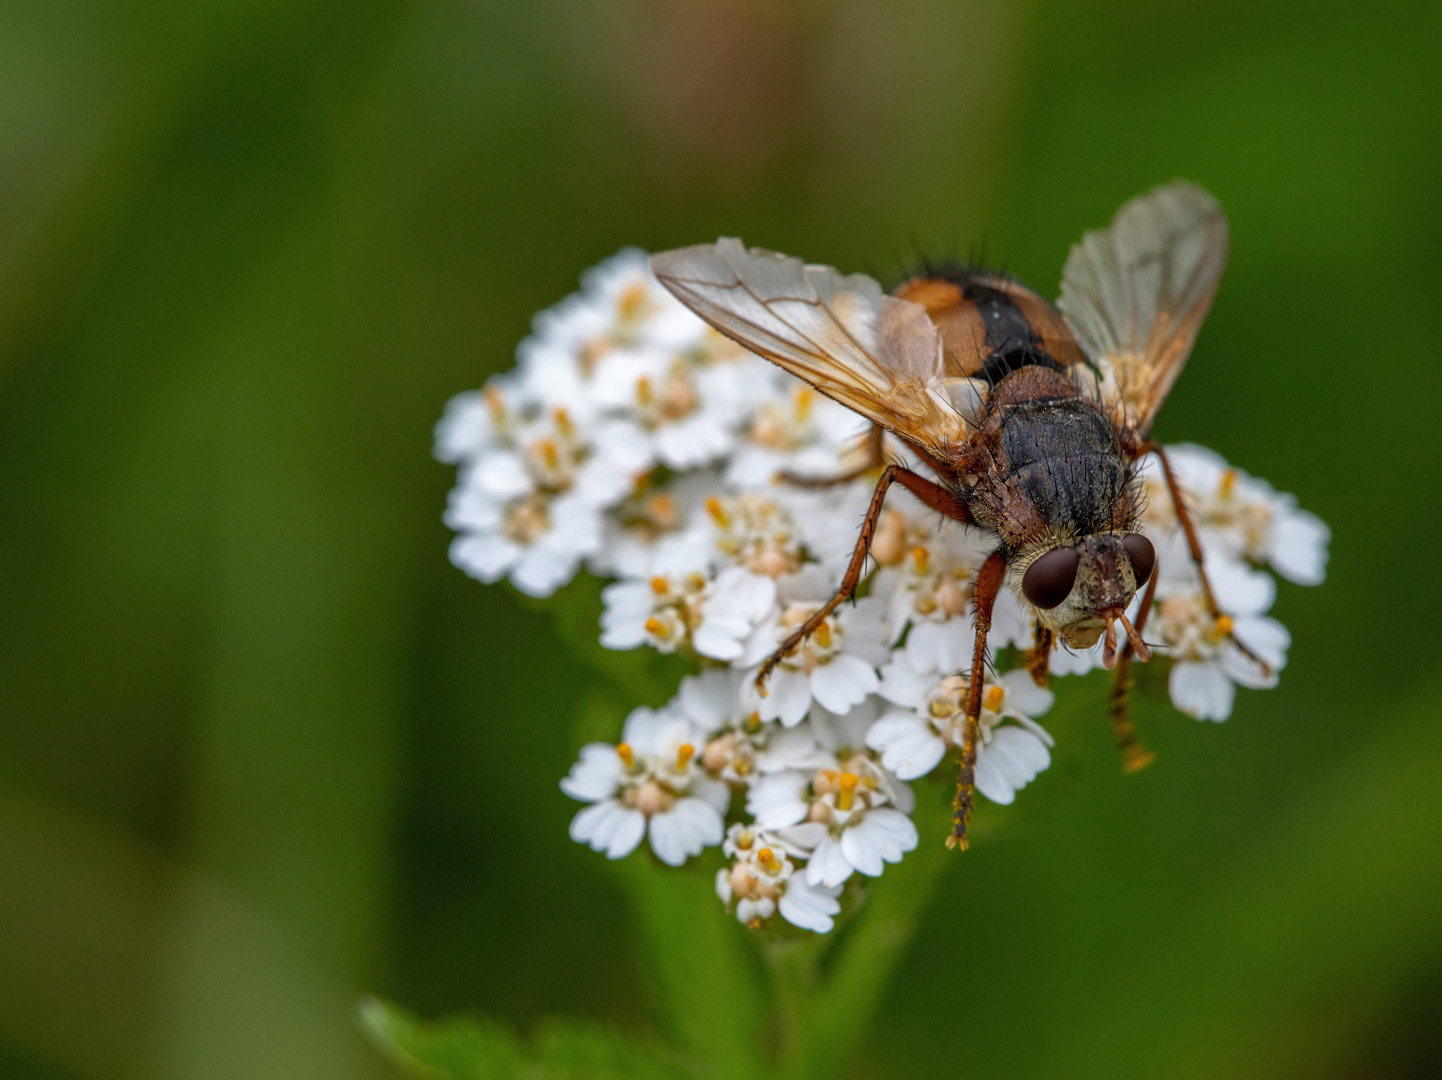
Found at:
[1048, 581]
[1143, 556]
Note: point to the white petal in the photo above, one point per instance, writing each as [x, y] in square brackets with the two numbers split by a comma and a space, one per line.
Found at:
[940, 648]
[1298, 547]
[870, 844]
[541, 572]
[776, 801]
[808, 906]
[485, 557]
[684, 830]
[595, 775]
[1201, 690]
[711, 698]
[723, 885]
[610, 828]
[902, 684]
[1023, 696]
[788, 697]
[802, 838]
[827, 865]
[843, 683]
[909, 746]
[501, 474]
[1009, 762]
[715, 793]
[1239, 589]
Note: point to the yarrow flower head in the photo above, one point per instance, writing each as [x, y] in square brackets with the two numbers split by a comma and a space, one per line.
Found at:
[633, 440]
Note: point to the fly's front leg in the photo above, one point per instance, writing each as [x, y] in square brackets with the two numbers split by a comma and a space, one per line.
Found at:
[874, 461]
[1135, 756]
[934, 495]
[988, 585]
[1223, 621]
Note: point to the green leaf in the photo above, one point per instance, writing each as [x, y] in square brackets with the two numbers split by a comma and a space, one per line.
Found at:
[708, 987]
[829, 997]
[462, 1048]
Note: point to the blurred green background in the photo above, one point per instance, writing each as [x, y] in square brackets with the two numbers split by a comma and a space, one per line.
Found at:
[263, 750]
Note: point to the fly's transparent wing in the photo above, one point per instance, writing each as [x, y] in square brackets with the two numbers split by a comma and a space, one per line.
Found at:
[1135, 294]
[877, 355]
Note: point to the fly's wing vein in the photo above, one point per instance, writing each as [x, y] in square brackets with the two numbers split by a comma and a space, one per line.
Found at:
[1135, 294]
[876, 354]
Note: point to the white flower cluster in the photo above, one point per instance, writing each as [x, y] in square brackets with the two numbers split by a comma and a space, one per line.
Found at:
[633, 439]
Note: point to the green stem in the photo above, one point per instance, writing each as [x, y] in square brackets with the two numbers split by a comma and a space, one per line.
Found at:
[830, 1009]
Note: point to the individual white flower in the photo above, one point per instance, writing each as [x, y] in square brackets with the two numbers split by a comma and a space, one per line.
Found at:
[620, 305]
[713, 617]
[835, 666]
[1209, 663]
[474, 421]
[1238, 515]
[755, 531]
[650, 783]
[762, 880]
[863, 807]
[528, 501]
[927, 578]
[796, 430]
[1009, 755]
[654, 530]
[538, 541]
[740, 746]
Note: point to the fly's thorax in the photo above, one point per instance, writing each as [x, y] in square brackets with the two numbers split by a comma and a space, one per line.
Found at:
[1104, 582]
[1049, 462]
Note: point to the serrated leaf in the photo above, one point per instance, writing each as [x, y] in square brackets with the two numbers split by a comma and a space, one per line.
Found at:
[466, 1048]
[460, 1048]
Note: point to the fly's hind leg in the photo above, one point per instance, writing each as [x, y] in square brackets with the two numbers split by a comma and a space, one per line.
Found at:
[874, 461]
[934, 495]
[1224, 621]
[1135, 756]
[988, 585]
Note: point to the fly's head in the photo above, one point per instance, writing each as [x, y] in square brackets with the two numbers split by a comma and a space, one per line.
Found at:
[1080, 589]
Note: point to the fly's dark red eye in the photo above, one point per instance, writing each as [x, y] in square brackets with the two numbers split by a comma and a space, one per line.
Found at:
[1143, 556]
[1048, 581]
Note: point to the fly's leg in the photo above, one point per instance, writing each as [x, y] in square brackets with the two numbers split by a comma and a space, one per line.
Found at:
[934, 495]
[988, 585]
[874, 461]
[1038, 656]
[1135, 756]
[1224, 621]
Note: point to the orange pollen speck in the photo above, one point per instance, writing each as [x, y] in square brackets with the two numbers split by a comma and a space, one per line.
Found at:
[550, 453]
[643, 390]
[684, 753]
[655, 627]
[823, 636]
[496, 402]
[717, 512]
[1229, 482]
[628, 303]
[627, 756]
[563, 421]
[803, 403]
[659, 586]
[847, 784]
[1223, 625]
[994, 697]
[768, 860]
[921, 557]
